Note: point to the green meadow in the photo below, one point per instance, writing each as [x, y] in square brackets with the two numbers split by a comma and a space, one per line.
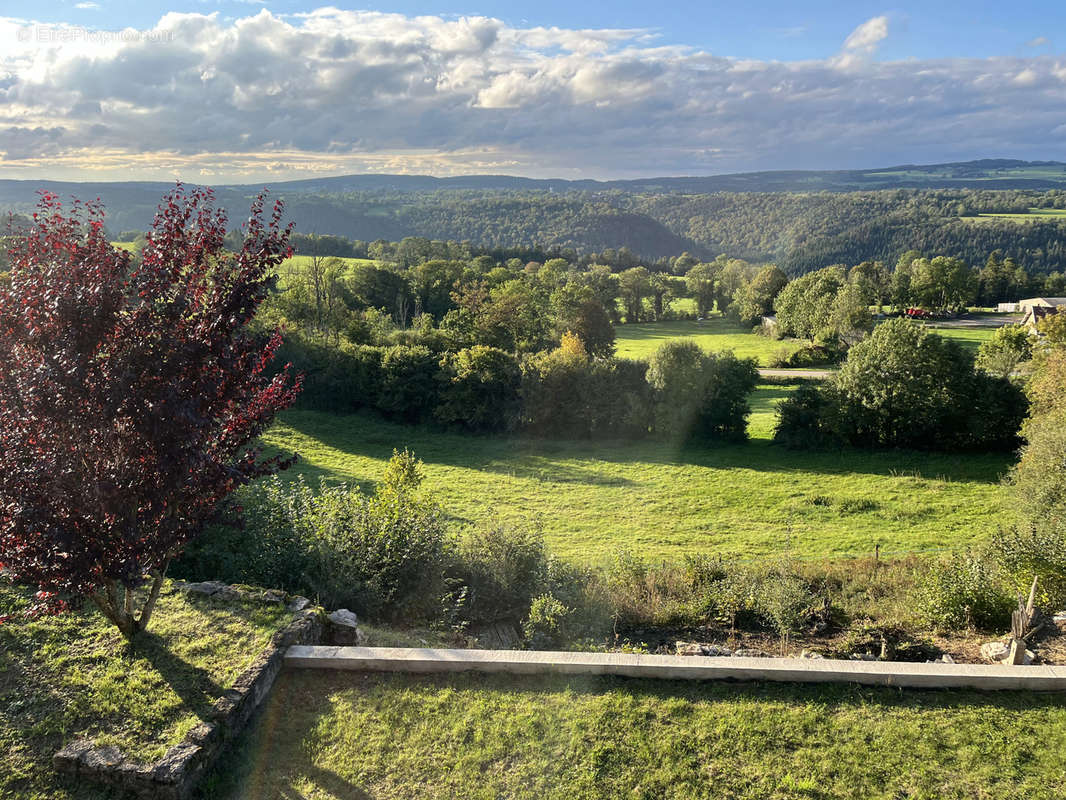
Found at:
[333, 735]
[1033, 215]
[716, 333]
[665, 500]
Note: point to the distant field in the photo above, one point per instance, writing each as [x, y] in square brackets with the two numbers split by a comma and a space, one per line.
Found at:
[663, 500]
[345, 735]
[717, 333]
[302, 261]
[1034, 215]
[970, 338]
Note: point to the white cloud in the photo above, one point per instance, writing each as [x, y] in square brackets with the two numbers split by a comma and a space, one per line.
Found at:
[1039, 41]
[867, 37]
[87, 6]
[265, 96]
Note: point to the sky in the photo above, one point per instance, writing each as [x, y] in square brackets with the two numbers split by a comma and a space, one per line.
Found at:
[257, 91]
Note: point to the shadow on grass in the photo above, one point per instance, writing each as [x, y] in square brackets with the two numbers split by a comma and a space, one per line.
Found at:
[369, 436]
[194, 685]
[243, 771]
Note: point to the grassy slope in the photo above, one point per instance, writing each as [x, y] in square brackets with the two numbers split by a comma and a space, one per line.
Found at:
[640, 341]
[331, 735]
[73, 675]
[663, 500]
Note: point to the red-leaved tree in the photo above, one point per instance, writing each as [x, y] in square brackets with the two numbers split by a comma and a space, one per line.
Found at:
[130, 396]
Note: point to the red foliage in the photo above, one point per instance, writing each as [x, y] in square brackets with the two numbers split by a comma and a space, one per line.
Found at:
[129, 394]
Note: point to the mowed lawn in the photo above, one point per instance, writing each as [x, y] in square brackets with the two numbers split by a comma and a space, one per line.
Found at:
[344, 735]
[665, 500]
[716, 333]
[969, 337]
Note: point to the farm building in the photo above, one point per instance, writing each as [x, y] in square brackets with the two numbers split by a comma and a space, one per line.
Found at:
[1036, 308]
[1006, 308]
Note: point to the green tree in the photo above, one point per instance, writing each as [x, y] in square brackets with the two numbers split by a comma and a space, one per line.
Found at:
[904, 386]
[634, 285]
[698, 394]
[700, 282]
[942, 283]
[805, 307]
[480, 390]
[756, 299]
[1008, 347]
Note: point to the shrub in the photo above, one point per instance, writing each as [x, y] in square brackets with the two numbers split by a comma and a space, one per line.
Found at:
[548, 624]
[409, 383]
[382, 555]
[701, 394]
[1035, 550]
[500, 569]
[783, 599]
[480, 390]
[965, 591]
[907, 387]
[1009, 346]
[802, 418]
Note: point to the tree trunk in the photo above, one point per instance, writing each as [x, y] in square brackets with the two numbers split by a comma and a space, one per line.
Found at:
[116, 603]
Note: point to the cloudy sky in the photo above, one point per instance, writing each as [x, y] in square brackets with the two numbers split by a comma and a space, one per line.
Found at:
[255, 91]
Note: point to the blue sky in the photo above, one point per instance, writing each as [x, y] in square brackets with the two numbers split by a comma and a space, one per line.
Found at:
[763, 30]
[263, 90]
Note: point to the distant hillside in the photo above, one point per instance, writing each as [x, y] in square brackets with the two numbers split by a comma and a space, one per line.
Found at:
[799, 219]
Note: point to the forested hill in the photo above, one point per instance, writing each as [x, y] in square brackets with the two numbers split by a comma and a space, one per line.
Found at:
[800, 220]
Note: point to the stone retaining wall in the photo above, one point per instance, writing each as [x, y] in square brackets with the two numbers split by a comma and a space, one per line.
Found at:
[175, 775]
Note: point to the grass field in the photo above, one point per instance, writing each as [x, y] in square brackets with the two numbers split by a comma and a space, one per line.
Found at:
[970, 338]
[663, 500]
[342, 735]
[74, 675]
[1034, 215]
[716, 333]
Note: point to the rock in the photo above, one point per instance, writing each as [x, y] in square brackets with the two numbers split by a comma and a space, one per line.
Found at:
[206, 588]
[751, 652]
[100, 760]
[863, 657]
[344, 628]
[298, 604]
[273, 596]
[1059, 618]
[171, 768]
[688, 649]
[216, 590]
[810, 654]
[994, 651]
[68, 759]
[715, 650]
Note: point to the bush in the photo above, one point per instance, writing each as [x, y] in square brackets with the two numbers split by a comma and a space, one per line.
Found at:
[965, 591]
[548, 624]
[382, 555]
[409, 384]
[698, 394]
[783, 599]
[499, 569]
[802, 419]
[1037, 550]
[480, 390]
[567, 393]
[907, 387]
